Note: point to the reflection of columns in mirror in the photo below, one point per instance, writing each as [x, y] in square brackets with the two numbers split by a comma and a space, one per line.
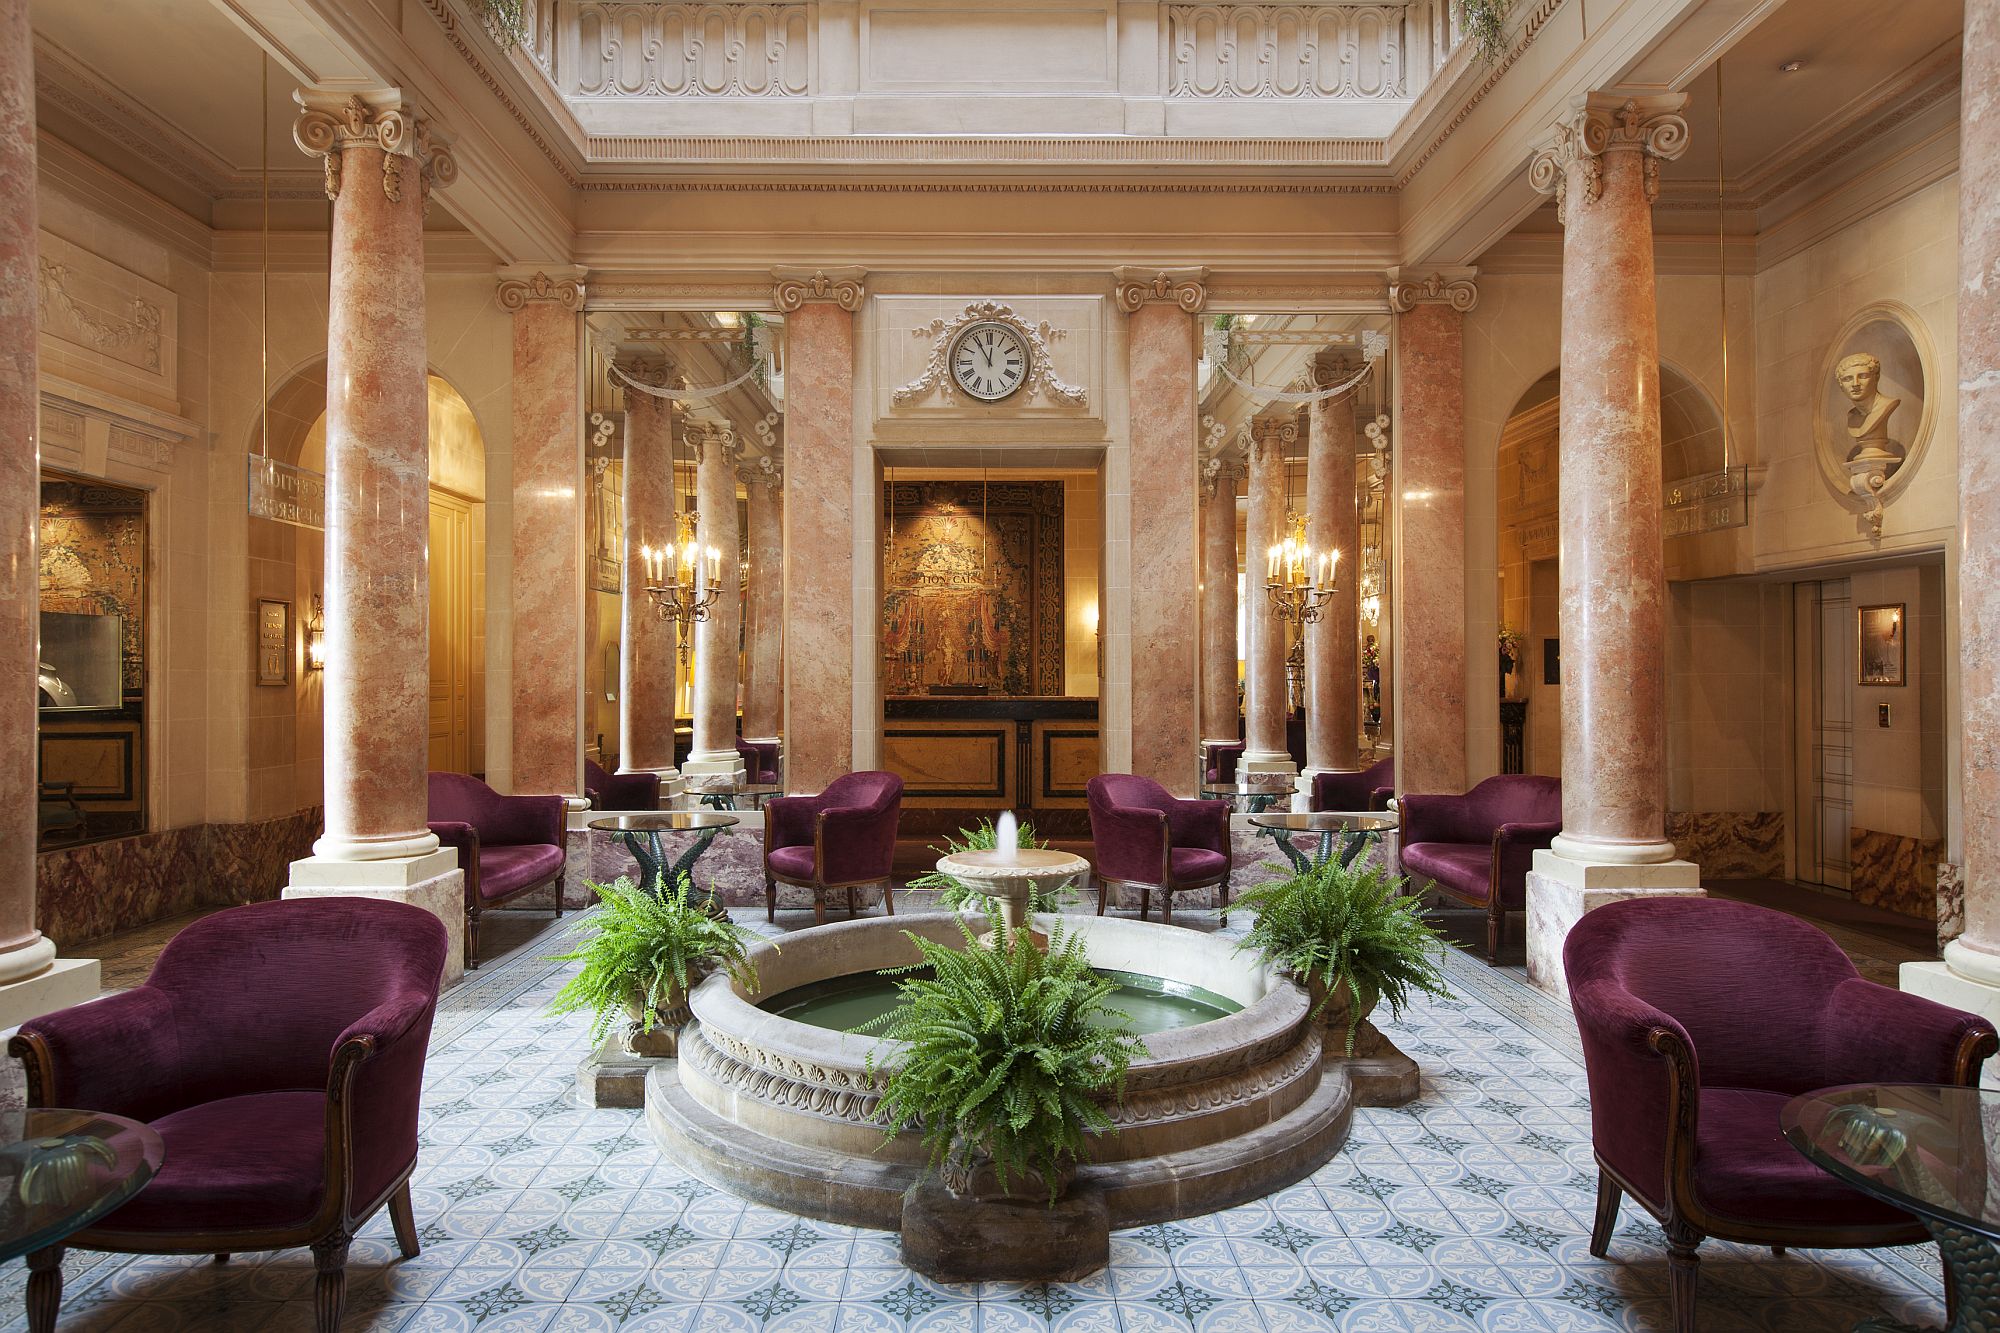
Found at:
[763, 684]
[548, 592]
[1333, 652]
[1219, 710]
[23, 950]
[375, 685]
[646, 659]
[1265, 696]
[718, 636]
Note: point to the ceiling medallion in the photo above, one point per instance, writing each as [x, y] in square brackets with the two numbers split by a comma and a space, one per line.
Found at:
[943, 333]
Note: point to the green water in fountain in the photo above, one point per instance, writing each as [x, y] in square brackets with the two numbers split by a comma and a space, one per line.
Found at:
[842, 1004]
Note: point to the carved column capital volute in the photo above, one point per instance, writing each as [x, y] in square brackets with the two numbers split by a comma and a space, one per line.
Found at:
[1135, 286]
[1329, 369]
[1269, 433]
[523, 285]
[711, 439]
[843, 286]
[1411, 287]
[1221, 469]
[1608, 122]
[760, 471]
[329, 124]
[655, 372]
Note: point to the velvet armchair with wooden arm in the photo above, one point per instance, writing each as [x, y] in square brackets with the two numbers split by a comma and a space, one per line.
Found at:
[1366, 789]
[843, 838]
[1478, 848]
[507, 845]
[1144, 836]
[278, 1051]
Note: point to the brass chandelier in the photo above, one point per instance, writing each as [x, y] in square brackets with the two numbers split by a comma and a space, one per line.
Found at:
[683, 581]
[1298, 581]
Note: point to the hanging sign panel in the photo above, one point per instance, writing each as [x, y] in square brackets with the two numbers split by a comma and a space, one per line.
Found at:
[287, 494]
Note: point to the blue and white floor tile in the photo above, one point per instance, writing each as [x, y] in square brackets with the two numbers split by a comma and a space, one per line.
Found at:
[1468, 1211]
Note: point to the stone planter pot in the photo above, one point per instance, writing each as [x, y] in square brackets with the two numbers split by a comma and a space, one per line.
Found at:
[663, 1042]
[1339, 1011]
[970, 1174]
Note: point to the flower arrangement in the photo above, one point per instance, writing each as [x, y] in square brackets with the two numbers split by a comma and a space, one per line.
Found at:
[1510, 647]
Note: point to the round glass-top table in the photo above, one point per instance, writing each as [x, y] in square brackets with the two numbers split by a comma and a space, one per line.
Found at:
[60, 1171]
[1356, 828]
[1252, 795]
[641, 834]
[725, 795]
[1928, 1149]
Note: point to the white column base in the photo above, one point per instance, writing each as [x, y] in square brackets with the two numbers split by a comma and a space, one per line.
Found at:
[1560, 891]
[1266, 761]
[1944, 984]
[713, 764]
[62, 983]
[433, 882]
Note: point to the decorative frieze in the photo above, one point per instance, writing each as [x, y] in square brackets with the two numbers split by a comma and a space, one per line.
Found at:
[1184, 287]
[1600, 123]
[1352, 52]
[692, 50]
[527, 285]
[1452, 286]
[794, 287]
[328, 126]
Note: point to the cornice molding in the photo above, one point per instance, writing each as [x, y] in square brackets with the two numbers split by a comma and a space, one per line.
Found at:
[842, 285]
[1040, 186]
[1445, 286]
[1135, 286]
[1609, 122]
[523, 285]
[1532, 24]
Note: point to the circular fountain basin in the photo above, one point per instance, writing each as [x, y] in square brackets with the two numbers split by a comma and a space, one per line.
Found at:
[1141, 1004]
[784, 1112]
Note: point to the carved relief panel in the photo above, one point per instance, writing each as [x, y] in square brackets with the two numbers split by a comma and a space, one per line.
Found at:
[106, 326]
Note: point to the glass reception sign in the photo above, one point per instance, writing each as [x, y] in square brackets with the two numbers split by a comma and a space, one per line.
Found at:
[287, 494]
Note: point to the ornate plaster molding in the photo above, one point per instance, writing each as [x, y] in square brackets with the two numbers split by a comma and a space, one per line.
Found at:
[842, 285]
[1600, 123]
[1184, 287]
[1220, 469]
[329, 125]
[1042, 377]
[761, 470]
[528, 284]
[1446, 286]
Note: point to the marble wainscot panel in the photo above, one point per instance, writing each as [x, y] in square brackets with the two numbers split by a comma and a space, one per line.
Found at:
[1950, 902]
[87, 892]
[1730, 844]
[1896, 872]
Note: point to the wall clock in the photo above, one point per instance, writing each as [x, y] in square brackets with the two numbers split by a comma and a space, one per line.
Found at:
[989, 360]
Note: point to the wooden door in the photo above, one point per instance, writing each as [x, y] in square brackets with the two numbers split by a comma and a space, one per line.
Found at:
[451, 632]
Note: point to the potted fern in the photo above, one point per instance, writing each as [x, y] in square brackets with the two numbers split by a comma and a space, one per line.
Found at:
[1351, 937]
[648, 951]
[1007, 1050]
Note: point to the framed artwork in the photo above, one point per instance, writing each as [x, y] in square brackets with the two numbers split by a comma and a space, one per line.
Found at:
[274, 641]
[1884, 645]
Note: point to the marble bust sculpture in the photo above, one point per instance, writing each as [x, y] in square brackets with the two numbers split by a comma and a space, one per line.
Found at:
[1860, 378]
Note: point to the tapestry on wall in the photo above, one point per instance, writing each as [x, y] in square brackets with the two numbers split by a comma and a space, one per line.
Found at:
[93, 562]
[973, 587]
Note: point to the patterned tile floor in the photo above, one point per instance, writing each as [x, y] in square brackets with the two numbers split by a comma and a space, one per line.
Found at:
[1468, 1210]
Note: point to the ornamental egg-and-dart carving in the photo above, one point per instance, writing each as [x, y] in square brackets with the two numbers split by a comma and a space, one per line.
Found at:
[1041, 378]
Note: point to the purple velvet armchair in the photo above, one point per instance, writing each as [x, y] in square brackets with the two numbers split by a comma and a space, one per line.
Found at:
[1477, 848]
[1219, 760]
[1368, 789]
[760, 760]
[507, 845]
[843, 838]
[1700, 1019]
[278, 1051]
[620, 791]
[1148, 838]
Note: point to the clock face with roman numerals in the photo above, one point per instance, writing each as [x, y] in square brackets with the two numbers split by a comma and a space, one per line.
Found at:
[989, 360]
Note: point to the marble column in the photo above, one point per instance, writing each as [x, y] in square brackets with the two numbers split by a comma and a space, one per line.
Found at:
[717, 638]
[1266, 701]
[376, 685]
[763, 600]
[1603, 167]
[1221, 714]
[819, 629]
[1969, 976]
[1429, 516]
[647, 649]
[1163, 348]
[1333, 642]
[548, 496]
[32, 980]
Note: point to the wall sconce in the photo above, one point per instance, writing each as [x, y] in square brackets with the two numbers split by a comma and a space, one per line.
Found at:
[316, 637]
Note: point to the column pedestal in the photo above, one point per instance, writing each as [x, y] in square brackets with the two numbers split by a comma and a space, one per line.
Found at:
[434, 883]
[1560, 891]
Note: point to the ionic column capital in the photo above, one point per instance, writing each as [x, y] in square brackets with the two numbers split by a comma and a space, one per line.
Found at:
[711, 439]
[761, 471]
[1135, 286]
[1220, 469]
[1410, 288]
[843, 286]
[655, 372]
[1266, 432]
[1609, 122]
[523, 285]
[330, 123]
[1331, 368]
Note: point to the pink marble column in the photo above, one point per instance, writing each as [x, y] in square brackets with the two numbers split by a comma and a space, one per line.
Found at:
[1604, 168]
[376, 682]
[1163, 348]
[1221, 715]
[1265, 698]
[820, 721]
[647, 650]
[1429, 553]
[548, 530]
[1333, 643]
[717, 664]
[763, 601]
[23, 950]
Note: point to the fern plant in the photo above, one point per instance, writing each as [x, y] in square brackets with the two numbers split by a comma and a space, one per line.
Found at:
[1348, 928]
[1008, 1048]
[1484, 23]
[647, 951]
[955, 895]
